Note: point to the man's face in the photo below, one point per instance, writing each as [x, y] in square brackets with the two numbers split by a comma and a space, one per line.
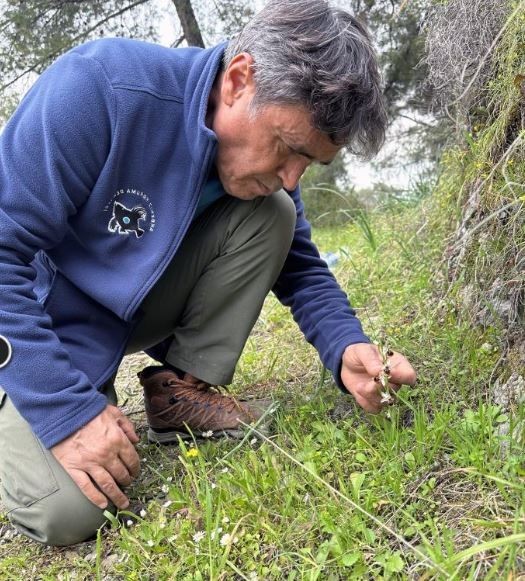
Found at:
[262, 152]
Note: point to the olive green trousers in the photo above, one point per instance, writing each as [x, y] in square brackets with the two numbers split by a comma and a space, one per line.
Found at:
[203, 308]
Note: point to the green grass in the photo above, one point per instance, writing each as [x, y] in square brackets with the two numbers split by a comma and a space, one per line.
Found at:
[423, 491]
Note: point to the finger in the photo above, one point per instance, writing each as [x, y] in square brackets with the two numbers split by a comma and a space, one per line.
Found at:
[129, 457]
[369, 358]
[119, 472]
[401, 372]
[88, 489]
[124, 423]
[369, 398]
[128, 428]
[108, 486]
[369, 406]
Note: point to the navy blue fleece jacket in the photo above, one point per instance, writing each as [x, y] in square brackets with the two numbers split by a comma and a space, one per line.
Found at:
[101, 168]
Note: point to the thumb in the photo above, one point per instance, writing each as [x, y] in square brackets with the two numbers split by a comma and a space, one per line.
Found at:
[367, 356]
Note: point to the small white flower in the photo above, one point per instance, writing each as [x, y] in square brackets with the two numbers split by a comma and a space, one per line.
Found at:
[253, 441]
[168, 503]
[386, 397]
[225, 520]
[165, 488]
[207, 434]
[129, 523]
[198, 536]
[172, 539]
[227, 539]
[225, 469]
[169, 478]
[162, 525]
[213, 485]
[143, 513]
[306, 498]
[214, 533]
[150, 543]
[253, 576]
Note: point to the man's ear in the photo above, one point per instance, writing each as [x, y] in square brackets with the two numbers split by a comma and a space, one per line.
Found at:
[238, 79]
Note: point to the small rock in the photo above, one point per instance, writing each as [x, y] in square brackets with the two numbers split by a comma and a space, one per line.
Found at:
[110, 560]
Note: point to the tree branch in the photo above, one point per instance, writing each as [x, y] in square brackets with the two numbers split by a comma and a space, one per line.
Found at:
[74, 40]
[188, 22]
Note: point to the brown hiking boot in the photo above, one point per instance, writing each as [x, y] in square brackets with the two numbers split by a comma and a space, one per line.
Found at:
[185, 407]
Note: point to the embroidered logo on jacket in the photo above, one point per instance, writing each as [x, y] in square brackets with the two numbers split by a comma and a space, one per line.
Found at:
[131, 213]
[127, 220]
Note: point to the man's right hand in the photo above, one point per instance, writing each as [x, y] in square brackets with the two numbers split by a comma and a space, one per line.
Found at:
[102, 453]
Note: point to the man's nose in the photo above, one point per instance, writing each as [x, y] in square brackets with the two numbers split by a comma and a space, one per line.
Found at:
[290, 173]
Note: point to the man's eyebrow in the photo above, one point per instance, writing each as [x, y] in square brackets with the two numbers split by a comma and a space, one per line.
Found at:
[301, 151]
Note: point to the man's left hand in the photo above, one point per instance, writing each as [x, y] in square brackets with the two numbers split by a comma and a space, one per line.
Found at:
[362, 365]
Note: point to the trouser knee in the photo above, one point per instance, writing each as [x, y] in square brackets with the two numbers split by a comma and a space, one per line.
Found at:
[279, 213]
[63, 518]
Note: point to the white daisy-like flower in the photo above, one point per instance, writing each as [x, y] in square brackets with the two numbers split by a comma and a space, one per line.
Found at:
[143, 513]
[225, 539]
[169, 478]
[172, 539]
[129, 523]
[207, 434]
[225, 469]
[198, 536]
[228, 539]
[165, 488]
[151, 543]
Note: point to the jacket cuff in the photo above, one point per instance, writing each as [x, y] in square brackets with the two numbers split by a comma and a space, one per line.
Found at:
[79, 417]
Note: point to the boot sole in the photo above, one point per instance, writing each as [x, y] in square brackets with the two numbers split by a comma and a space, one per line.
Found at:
[172, 437]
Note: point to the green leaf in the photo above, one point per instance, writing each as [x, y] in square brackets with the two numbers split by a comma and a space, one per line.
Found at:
[394, 563]
[349, 559]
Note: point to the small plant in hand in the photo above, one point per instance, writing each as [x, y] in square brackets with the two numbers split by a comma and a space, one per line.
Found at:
[384, 376]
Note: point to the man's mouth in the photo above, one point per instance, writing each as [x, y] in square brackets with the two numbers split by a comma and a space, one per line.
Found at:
[267, 190]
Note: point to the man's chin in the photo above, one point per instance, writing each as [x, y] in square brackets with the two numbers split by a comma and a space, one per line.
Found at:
[247, 196]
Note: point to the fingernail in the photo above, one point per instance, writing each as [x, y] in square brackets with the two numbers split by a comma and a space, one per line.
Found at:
[103, 505]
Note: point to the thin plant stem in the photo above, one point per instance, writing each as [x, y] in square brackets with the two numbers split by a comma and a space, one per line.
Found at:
[334, 491]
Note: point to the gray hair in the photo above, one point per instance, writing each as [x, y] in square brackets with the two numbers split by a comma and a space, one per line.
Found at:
[309, 53]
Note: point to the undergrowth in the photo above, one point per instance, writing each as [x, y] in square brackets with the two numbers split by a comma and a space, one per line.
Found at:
[431, 489]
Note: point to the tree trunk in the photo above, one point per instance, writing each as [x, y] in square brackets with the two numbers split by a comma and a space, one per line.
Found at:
[189, 23]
